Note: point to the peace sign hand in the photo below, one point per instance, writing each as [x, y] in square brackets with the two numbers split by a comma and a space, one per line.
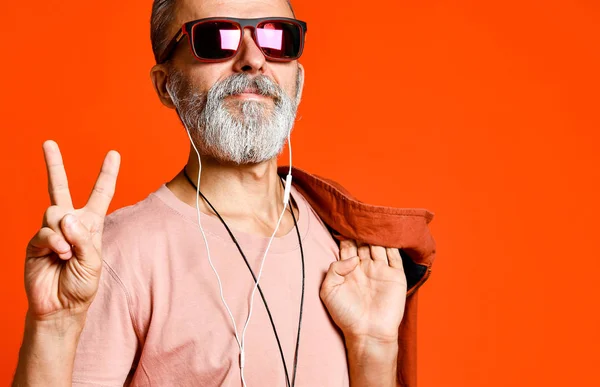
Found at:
[63, 260]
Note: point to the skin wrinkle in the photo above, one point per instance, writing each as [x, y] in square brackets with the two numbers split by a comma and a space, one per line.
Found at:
[249, 187]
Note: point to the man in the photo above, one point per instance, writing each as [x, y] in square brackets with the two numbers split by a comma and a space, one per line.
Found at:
[160, 293]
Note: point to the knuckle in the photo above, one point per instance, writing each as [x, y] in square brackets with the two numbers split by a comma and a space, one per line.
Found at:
[364, 251]
[58, 187]
[345, 244]
[344, 251]
[44, 232]
[53, 238]
[54, 210]
[333, 266]
[383, 253]
[52, 216]
[41, 238]
[103, 191]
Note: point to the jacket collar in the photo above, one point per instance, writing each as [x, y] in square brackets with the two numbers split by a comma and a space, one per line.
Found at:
[349, 218]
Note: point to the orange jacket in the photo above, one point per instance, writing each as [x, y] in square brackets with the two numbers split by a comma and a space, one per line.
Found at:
[404, 228]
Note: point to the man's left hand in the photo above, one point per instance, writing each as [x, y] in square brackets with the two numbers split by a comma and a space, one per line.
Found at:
[365, 291]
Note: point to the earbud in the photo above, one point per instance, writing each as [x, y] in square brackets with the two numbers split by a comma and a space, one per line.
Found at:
[288, 178]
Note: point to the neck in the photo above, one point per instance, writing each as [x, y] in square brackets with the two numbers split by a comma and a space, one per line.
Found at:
[250, 196]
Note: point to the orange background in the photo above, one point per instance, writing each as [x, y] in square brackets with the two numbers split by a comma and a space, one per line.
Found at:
[484, 112]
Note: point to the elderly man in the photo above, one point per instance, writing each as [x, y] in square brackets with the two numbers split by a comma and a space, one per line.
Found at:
[163, 292]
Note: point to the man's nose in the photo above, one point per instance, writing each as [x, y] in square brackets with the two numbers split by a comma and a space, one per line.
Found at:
[250, 59]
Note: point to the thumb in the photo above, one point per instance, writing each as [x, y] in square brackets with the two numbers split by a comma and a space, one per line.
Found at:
[339, 269]
[79, 237]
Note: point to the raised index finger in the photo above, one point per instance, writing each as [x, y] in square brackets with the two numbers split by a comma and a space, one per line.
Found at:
[104, 189]
[58, 186]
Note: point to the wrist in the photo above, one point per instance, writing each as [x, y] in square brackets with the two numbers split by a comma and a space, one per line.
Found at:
[48, 350]
[60, 325]
[372, 361]
[372, 348]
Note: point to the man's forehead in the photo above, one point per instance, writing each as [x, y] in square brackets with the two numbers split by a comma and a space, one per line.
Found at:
[198, 9]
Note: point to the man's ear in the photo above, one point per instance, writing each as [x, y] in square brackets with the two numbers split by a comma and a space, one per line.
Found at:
[299, 83]
[160, 76]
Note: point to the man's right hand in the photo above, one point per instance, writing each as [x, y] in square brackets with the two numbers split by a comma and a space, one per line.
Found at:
[62, 273]
[63, 262]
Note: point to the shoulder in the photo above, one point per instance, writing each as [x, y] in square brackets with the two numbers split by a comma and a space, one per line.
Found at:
[127, 222]
[133, 232]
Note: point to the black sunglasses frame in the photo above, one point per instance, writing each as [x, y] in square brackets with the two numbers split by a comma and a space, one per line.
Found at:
[187, 30]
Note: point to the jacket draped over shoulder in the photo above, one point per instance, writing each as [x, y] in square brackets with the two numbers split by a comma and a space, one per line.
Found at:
[403, 228]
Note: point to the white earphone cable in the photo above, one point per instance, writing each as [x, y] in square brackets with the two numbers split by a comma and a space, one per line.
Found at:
[286, 197]
[241, 344]
[237, 339]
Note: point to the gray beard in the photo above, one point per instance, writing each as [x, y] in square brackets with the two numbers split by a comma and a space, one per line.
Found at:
[254, 133]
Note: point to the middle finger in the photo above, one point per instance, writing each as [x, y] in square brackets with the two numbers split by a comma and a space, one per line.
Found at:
[364, 252]
[378, 254]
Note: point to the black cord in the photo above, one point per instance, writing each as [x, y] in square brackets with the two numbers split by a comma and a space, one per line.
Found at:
[258, 286]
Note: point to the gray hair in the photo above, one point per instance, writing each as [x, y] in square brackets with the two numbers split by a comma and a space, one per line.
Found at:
[163, 16]
[258, 135]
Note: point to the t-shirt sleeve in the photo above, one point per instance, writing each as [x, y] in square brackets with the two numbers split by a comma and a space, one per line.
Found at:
[108, 344]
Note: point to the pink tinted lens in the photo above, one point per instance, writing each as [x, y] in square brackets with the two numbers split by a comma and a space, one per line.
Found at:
[270, 38]
[215, 40]
[280, 39]
[230, 39]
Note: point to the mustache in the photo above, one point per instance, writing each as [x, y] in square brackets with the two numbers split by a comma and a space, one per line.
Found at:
[239, 83]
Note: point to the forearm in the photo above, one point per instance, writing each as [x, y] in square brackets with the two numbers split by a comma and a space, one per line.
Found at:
[372, 363]
[48, 352]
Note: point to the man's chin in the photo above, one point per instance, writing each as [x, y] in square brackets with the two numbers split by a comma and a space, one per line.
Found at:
[247, 157]
[243, 160]
[250, 120]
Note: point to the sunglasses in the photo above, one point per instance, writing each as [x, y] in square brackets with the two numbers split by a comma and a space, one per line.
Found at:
[218, 39]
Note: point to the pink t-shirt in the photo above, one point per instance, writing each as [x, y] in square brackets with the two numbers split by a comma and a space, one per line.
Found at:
[158, 319]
